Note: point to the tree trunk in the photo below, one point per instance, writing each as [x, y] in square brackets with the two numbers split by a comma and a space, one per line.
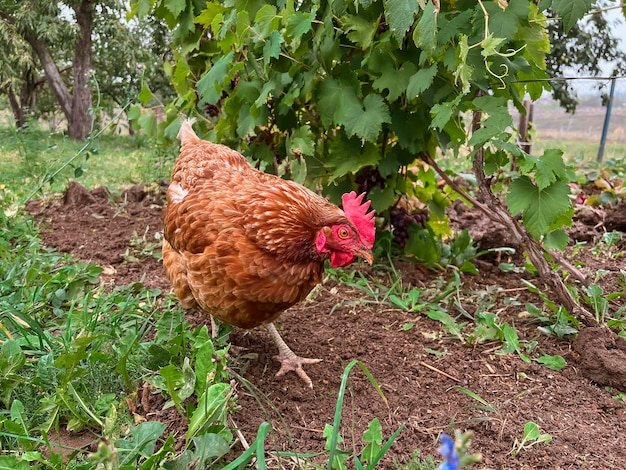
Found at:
[80, 120]
[18, 112]
[75, 106]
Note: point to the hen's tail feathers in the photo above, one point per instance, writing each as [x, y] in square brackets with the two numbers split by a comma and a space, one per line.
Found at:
[186, 133]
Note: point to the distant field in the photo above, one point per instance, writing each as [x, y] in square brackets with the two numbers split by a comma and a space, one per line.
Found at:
[579, 134]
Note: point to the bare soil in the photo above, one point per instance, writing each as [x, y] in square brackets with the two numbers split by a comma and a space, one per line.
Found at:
[416, 367]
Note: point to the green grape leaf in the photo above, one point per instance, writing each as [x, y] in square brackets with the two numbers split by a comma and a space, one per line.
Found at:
[348, 156]
[271, 49]
[382, 199]
[145, 95]
[210, 85]
[361, 31]
[210, 12]
[490, 45]
[556, 240]
[421, 81]
[176, 7]
[570, 11]
[335, 100]
[399, 15]
[441, 114]
[300, 23]
[301, 142]
[425, 34]
[548, 168]
[504, 23]
[367, 124]
[396, 81]
[266, 20]
[539, 207]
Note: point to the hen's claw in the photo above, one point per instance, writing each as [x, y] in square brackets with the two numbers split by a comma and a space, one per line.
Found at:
[294, 363]
[288, 359]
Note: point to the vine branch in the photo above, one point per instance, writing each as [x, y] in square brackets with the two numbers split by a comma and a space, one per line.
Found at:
[492, 207]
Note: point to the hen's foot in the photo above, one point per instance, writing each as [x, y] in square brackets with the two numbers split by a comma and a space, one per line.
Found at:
[289, 361]
[294, 363]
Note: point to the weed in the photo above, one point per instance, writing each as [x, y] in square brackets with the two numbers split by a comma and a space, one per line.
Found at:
[140, 247]
[532, 436]
[608, 247]
[416, 462]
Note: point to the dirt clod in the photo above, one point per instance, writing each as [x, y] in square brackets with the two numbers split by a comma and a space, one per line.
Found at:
[602, 357]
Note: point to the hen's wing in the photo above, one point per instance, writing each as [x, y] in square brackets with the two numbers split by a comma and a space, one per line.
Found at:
[222, 253]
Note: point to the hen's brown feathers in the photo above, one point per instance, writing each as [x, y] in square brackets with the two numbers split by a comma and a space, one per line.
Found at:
[240, 244]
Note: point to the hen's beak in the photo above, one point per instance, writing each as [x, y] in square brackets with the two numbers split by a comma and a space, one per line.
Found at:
[365, 254]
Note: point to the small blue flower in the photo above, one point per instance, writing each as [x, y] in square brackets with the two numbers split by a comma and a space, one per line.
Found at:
[449, 453]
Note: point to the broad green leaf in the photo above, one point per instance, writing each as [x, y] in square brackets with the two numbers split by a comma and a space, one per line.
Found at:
[271, 49]
[348, 156]
[9, 462]
[210, 407]
[142, 441]
[374, 432]
[373, 437]
[556, 240]
[367, 124]
[490, 45]
[145, 95]
[176, 7]
[425, 33]
[246, 121]
[539, 207]
[531, 431]
[441, 115]
[207, 16]
[421, 81]
[552, 362]
[300, 23]
[399, 15]
[266, 21]
[210, 85]
[298, 170]
[382, 199]
[336, 102]
[361, 31]
[180, 75]
[208, 446]
[301, 142]
[549, 168]
[570, 11]
[504, 23]
[394, 80]
[147, 121]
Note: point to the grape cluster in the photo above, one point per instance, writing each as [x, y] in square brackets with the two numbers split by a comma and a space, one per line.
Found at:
[401, 220]
[369, 178]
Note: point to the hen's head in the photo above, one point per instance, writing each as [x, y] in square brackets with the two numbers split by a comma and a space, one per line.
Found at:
[345, 241]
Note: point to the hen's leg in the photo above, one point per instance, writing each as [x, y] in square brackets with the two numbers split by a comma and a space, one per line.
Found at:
[288, 359]
[215, 328]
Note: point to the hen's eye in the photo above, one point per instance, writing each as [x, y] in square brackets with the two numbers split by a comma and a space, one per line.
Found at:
[343, 233]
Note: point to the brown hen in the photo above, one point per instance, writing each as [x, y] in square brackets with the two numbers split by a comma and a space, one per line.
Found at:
[243, 245]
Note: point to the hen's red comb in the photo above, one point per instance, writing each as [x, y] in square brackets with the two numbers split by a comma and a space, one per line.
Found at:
[356, 210]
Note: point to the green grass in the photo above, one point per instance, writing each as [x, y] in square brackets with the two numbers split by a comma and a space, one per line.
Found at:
[29, 158]
[575, 150]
